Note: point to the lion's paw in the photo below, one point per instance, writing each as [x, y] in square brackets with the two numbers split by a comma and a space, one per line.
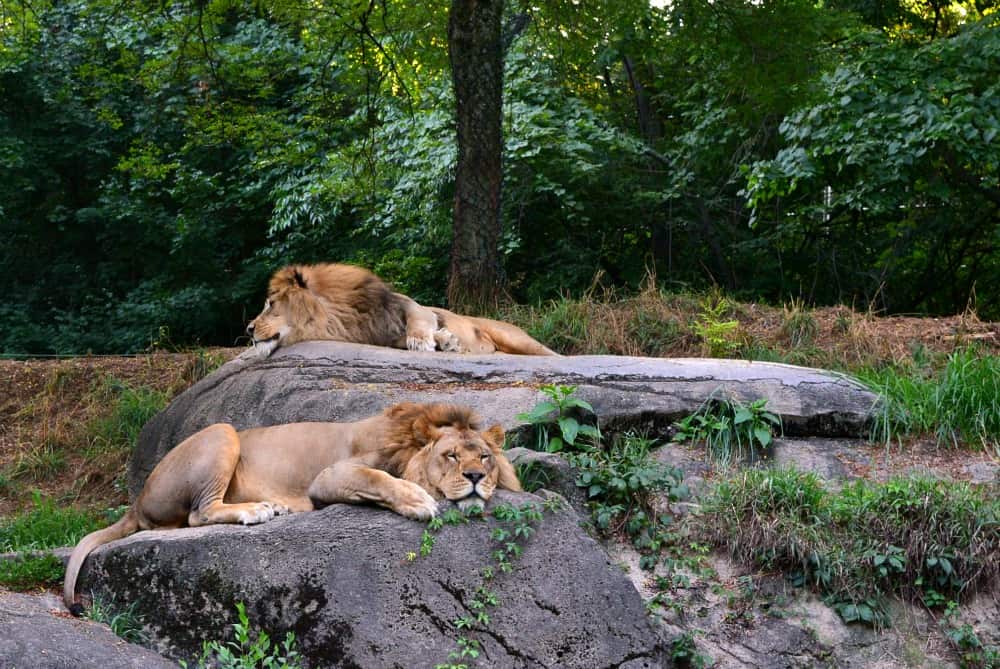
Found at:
[420, 343]
[447, 341]
[261, 512]
[414, 502]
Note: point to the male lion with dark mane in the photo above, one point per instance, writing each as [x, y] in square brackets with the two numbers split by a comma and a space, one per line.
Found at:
[351, 304]
[406, 459]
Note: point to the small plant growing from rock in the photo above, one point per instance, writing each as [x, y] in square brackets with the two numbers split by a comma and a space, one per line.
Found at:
[248, 650]
[516, 525]
[732, 431]
[556, 428]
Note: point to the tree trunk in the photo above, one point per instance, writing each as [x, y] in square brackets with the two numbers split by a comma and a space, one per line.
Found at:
[475, 48]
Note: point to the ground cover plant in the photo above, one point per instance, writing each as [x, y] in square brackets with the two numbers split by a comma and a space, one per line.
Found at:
[926, 540]
[957, 401]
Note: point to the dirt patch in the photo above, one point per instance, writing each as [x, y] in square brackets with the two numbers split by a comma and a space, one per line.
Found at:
[49, 407]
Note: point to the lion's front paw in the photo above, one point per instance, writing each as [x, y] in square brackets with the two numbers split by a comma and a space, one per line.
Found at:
[261, 512]
[447, 341]
[414, 502]
[420, 343]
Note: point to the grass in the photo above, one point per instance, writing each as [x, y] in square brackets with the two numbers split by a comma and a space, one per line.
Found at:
[43, 527]
[124, 621]
[925, 540]
[131, 408]
[960, 403]
[46, 526]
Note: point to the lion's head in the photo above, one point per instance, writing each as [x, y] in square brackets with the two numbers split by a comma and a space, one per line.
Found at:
[327, 301]
[457, 460]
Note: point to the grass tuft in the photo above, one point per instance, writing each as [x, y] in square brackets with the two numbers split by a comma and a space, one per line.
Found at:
[960, 403]
[46, 526]
[925, 540]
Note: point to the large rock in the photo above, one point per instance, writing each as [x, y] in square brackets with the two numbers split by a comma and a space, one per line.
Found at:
[37, 633]
[340, 579]
[332, 381]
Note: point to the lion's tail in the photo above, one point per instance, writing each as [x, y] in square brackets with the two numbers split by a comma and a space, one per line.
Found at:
[126, 525]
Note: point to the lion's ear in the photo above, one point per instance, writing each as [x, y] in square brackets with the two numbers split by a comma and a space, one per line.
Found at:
[494, 437]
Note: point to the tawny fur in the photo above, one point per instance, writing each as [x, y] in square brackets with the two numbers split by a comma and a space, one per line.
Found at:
[351, 304]
[405, 459]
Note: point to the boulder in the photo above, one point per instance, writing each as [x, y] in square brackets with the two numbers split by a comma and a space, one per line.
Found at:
[37, 633]
[345, 580]
[333, 381]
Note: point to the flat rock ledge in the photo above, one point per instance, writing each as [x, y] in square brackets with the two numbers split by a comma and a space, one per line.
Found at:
[341, 579]
[37, 633]
[333, 381]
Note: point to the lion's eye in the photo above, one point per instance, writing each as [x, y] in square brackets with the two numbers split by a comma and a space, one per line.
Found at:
[484, 457]
[452, 456]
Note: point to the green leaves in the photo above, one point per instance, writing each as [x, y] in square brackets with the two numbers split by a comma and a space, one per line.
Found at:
[555, 413]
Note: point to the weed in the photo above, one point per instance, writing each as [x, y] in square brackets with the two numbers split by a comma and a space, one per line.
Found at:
[718, 336]
[732, 431]
[562, 326]
[532, 476]
[40, 464]
[123, 621]
[922, 539]
[45, 526]
[248, 650]
[555, 413]
[132, 408]
[653, 334]
[798, 325]
[684, 652]
[959, 404]
[971, 650]
[31, 572]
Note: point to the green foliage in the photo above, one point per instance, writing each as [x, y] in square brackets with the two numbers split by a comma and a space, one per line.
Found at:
[28, 573]
[889, 147]
[513, 528]
[959, 403]
[922, 539]
[799, 326]
[153, 181]
[732, 431]
[249, 650]
[717, 334]
[622, 482]
[132, 408]
[46, 526]
[973, 653]
[123, 621]
[684, 652]
[556, 428]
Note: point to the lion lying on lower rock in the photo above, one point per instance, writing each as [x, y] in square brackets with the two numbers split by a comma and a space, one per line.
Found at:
[350, 304]
[405, 458]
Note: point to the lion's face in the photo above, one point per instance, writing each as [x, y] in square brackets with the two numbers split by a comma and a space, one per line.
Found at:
[272, 326]
[464, 466]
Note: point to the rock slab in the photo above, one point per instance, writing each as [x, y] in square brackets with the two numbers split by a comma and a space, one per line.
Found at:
[37, 633]
[340, 578]
[333, 381]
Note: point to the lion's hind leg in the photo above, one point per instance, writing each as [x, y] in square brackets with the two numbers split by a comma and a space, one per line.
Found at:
[205, 462]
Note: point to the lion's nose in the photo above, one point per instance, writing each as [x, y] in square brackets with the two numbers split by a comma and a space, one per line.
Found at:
[475, 477]
[250, 329]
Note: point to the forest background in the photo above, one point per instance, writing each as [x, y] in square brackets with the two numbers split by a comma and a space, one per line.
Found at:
[158, 160]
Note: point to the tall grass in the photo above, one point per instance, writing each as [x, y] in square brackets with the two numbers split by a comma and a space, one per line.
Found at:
[926, 540]
[45, 526]
[131, 409]
[959, 403]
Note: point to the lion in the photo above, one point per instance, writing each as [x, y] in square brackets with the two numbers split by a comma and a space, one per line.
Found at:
[351, 304]
[406, 459]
